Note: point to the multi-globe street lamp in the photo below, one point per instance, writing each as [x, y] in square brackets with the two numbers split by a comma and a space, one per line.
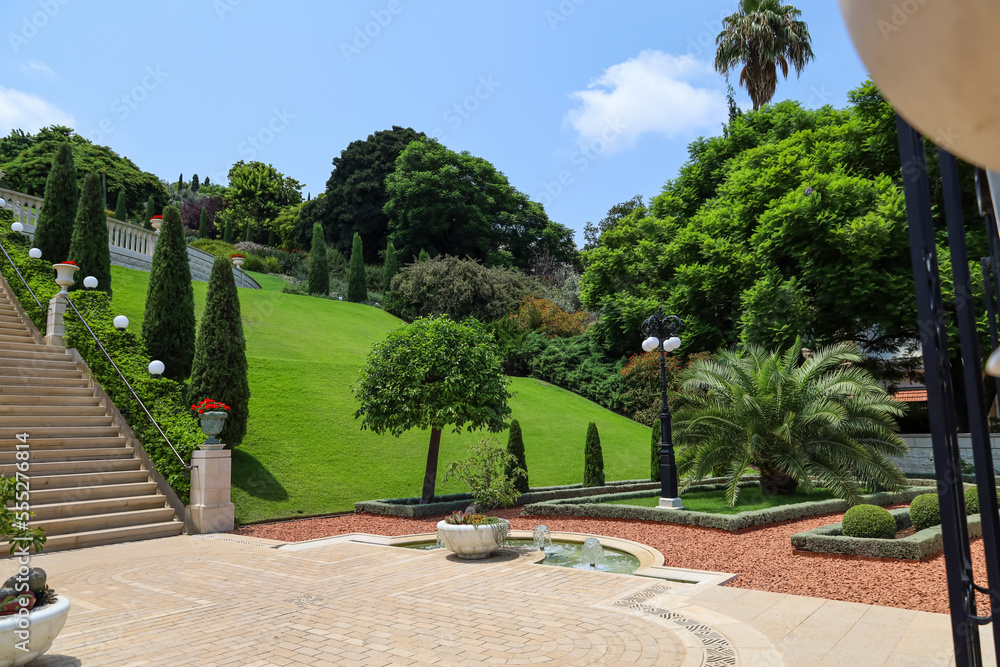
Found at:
[661, 333]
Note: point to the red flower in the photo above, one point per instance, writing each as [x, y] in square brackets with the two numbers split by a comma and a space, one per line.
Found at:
[157, 217]
[209, 405]
[69, 262]
[237, 255]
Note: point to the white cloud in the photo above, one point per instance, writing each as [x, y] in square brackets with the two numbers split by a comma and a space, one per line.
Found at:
[653, 92]
[36, 68]
[28, 112]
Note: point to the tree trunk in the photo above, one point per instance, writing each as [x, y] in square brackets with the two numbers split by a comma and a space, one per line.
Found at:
[430, 474]
[774, 482]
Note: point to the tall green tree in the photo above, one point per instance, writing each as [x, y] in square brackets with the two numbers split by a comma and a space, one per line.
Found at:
[762, 36]
[800, 423]
[168, 326]
[120, 208]
[319, 266]
[517, 461]
[180, 182]
[150, 212]
[219, 370]
[62, 200]
[203, 224]
[194, 183]
[227, 235]
[433, 373]
[593, 468]
[357, 282]
[356, 194]
[390, 268]
[89, 245]
[256, 194]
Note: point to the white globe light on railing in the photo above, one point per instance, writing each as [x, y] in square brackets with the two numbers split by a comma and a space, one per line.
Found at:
[35, 253]
[90, 282]
[121, 323]
[156, 368]
[650, 344]
[2, 202]
[17, 227]
[672, 344]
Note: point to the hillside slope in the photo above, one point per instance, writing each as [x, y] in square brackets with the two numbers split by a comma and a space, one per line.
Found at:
[306, 454]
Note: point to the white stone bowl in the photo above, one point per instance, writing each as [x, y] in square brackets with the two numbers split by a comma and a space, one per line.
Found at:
[469, 542]
[46, 623]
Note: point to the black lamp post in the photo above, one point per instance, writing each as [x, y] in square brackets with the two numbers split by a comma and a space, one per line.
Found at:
[661, 333]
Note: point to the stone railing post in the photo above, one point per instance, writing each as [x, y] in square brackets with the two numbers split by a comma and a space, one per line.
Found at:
[211, 509]
[55, 330]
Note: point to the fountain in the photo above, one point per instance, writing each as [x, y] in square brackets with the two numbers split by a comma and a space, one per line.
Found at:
[593, 553]
[542, 537]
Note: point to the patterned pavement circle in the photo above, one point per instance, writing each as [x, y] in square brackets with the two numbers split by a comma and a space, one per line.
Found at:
[188, 601]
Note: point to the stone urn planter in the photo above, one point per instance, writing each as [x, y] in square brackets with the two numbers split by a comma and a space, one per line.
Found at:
[472, 542]
[45, 624]
[156, 222]
[65, 275]
[211, 425]
[238, 261]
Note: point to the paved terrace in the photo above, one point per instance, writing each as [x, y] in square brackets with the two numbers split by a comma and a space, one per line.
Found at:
[230, 600]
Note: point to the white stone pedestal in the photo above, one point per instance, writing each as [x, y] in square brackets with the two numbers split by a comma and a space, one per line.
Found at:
[211, 510]
[55, 330]
[671, 504]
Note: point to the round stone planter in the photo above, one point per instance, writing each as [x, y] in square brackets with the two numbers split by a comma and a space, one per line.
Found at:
[65, 275]
[45, 624]
[156, 223]
[469, 542]
[238, 261]
[211, 425]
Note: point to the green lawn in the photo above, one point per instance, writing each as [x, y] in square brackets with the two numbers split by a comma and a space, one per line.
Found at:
[751, 498]
[306, 454]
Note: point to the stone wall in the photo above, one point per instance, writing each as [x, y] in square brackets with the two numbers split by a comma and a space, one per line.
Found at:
[919, 460]
[200, 261]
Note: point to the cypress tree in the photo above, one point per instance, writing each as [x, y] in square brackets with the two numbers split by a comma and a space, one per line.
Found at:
[194, 183]
[390, 268]
[515, 447]
[227, 235]
[169, 326]
[593, 469]
[219, 370]
[203, 224]
[150, 212]
[423, 256]
[180, 182]
[249, 236]
[357, 281]
[89, 245]
[654, 462]
[319, 268]
[120, 212]
[271, 239]
[54, 229]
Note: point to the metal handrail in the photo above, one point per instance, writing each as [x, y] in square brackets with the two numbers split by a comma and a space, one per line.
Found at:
[97, 340]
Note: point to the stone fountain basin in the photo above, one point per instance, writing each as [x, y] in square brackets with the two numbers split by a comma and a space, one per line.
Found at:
[46, 623]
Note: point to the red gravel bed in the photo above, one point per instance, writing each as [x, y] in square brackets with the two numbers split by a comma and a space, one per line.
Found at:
[762, 557]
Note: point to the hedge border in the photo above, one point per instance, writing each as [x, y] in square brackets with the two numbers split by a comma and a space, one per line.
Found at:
[411, 507]
[923, 544]
[728, 522]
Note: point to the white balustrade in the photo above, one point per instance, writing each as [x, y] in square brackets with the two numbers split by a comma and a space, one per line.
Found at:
[25, 207]
[131, 237]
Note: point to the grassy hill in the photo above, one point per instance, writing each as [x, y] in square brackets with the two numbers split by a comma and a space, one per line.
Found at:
[306, 454]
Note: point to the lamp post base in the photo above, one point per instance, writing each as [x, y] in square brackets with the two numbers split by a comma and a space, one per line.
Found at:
[671, 504]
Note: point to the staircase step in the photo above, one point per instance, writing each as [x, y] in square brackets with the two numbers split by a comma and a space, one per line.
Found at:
[19, 393]
[71, 373]
[12, 326]
[40, 379]
[22, 337]
[75, 493]
[37, 352]
[101, 506]
[24, 347]
[60, 365]
[28, 422]
[36, 468]
[37, 443]
[54, 408]
[85, 479]
[76, 454]
[111, 536]
[9, 432]
[80, 524]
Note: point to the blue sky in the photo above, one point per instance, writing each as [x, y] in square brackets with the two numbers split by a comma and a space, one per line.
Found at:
[582, 104]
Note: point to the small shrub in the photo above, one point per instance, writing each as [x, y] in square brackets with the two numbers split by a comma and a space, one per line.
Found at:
[925, 511]
[869, 521]
[972, 501]
[517, 465]
[548, 319]
[215, 247]
[593, 469]
[485, 473]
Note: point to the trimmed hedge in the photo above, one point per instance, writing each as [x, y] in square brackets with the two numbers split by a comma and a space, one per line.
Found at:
[972, 501]
[596, 507]
[922, 544]
[925, 511]
[869, 521]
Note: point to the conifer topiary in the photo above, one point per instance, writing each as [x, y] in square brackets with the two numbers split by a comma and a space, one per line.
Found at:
[271, 238]
[925, 511]
[89, 245]
[390, 268]
[654, 462]
[357, 281]
[121, 212]
[54, 229]
[423, 256]
[515, 447]
[219, 371]
[150, 212]
[169, 325]
[203, 224]
[194, 183]
[227, 235]
[319, 267]
[593, 469]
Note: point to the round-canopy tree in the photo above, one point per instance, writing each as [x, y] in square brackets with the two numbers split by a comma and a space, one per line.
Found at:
[797, 421]
[433, 373]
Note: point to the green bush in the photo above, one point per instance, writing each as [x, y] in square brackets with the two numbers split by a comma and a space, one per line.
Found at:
[593, 469]
[215, 247]
[925, 511]
[869, 521]
[517, 462]
[972, 501]
[576, 364]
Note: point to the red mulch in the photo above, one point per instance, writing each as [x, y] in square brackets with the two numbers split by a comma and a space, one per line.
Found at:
[762, 557]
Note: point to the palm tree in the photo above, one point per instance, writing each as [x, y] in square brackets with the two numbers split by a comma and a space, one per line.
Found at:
[763, 35]
[820, 421]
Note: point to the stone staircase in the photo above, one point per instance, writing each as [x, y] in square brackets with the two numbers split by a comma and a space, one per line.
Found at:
[88, 486]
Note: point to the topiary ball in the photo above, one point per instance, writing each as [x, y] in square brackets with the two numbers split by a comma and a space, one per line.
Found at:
[868, 521]
[972, 501]
[925, 511]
